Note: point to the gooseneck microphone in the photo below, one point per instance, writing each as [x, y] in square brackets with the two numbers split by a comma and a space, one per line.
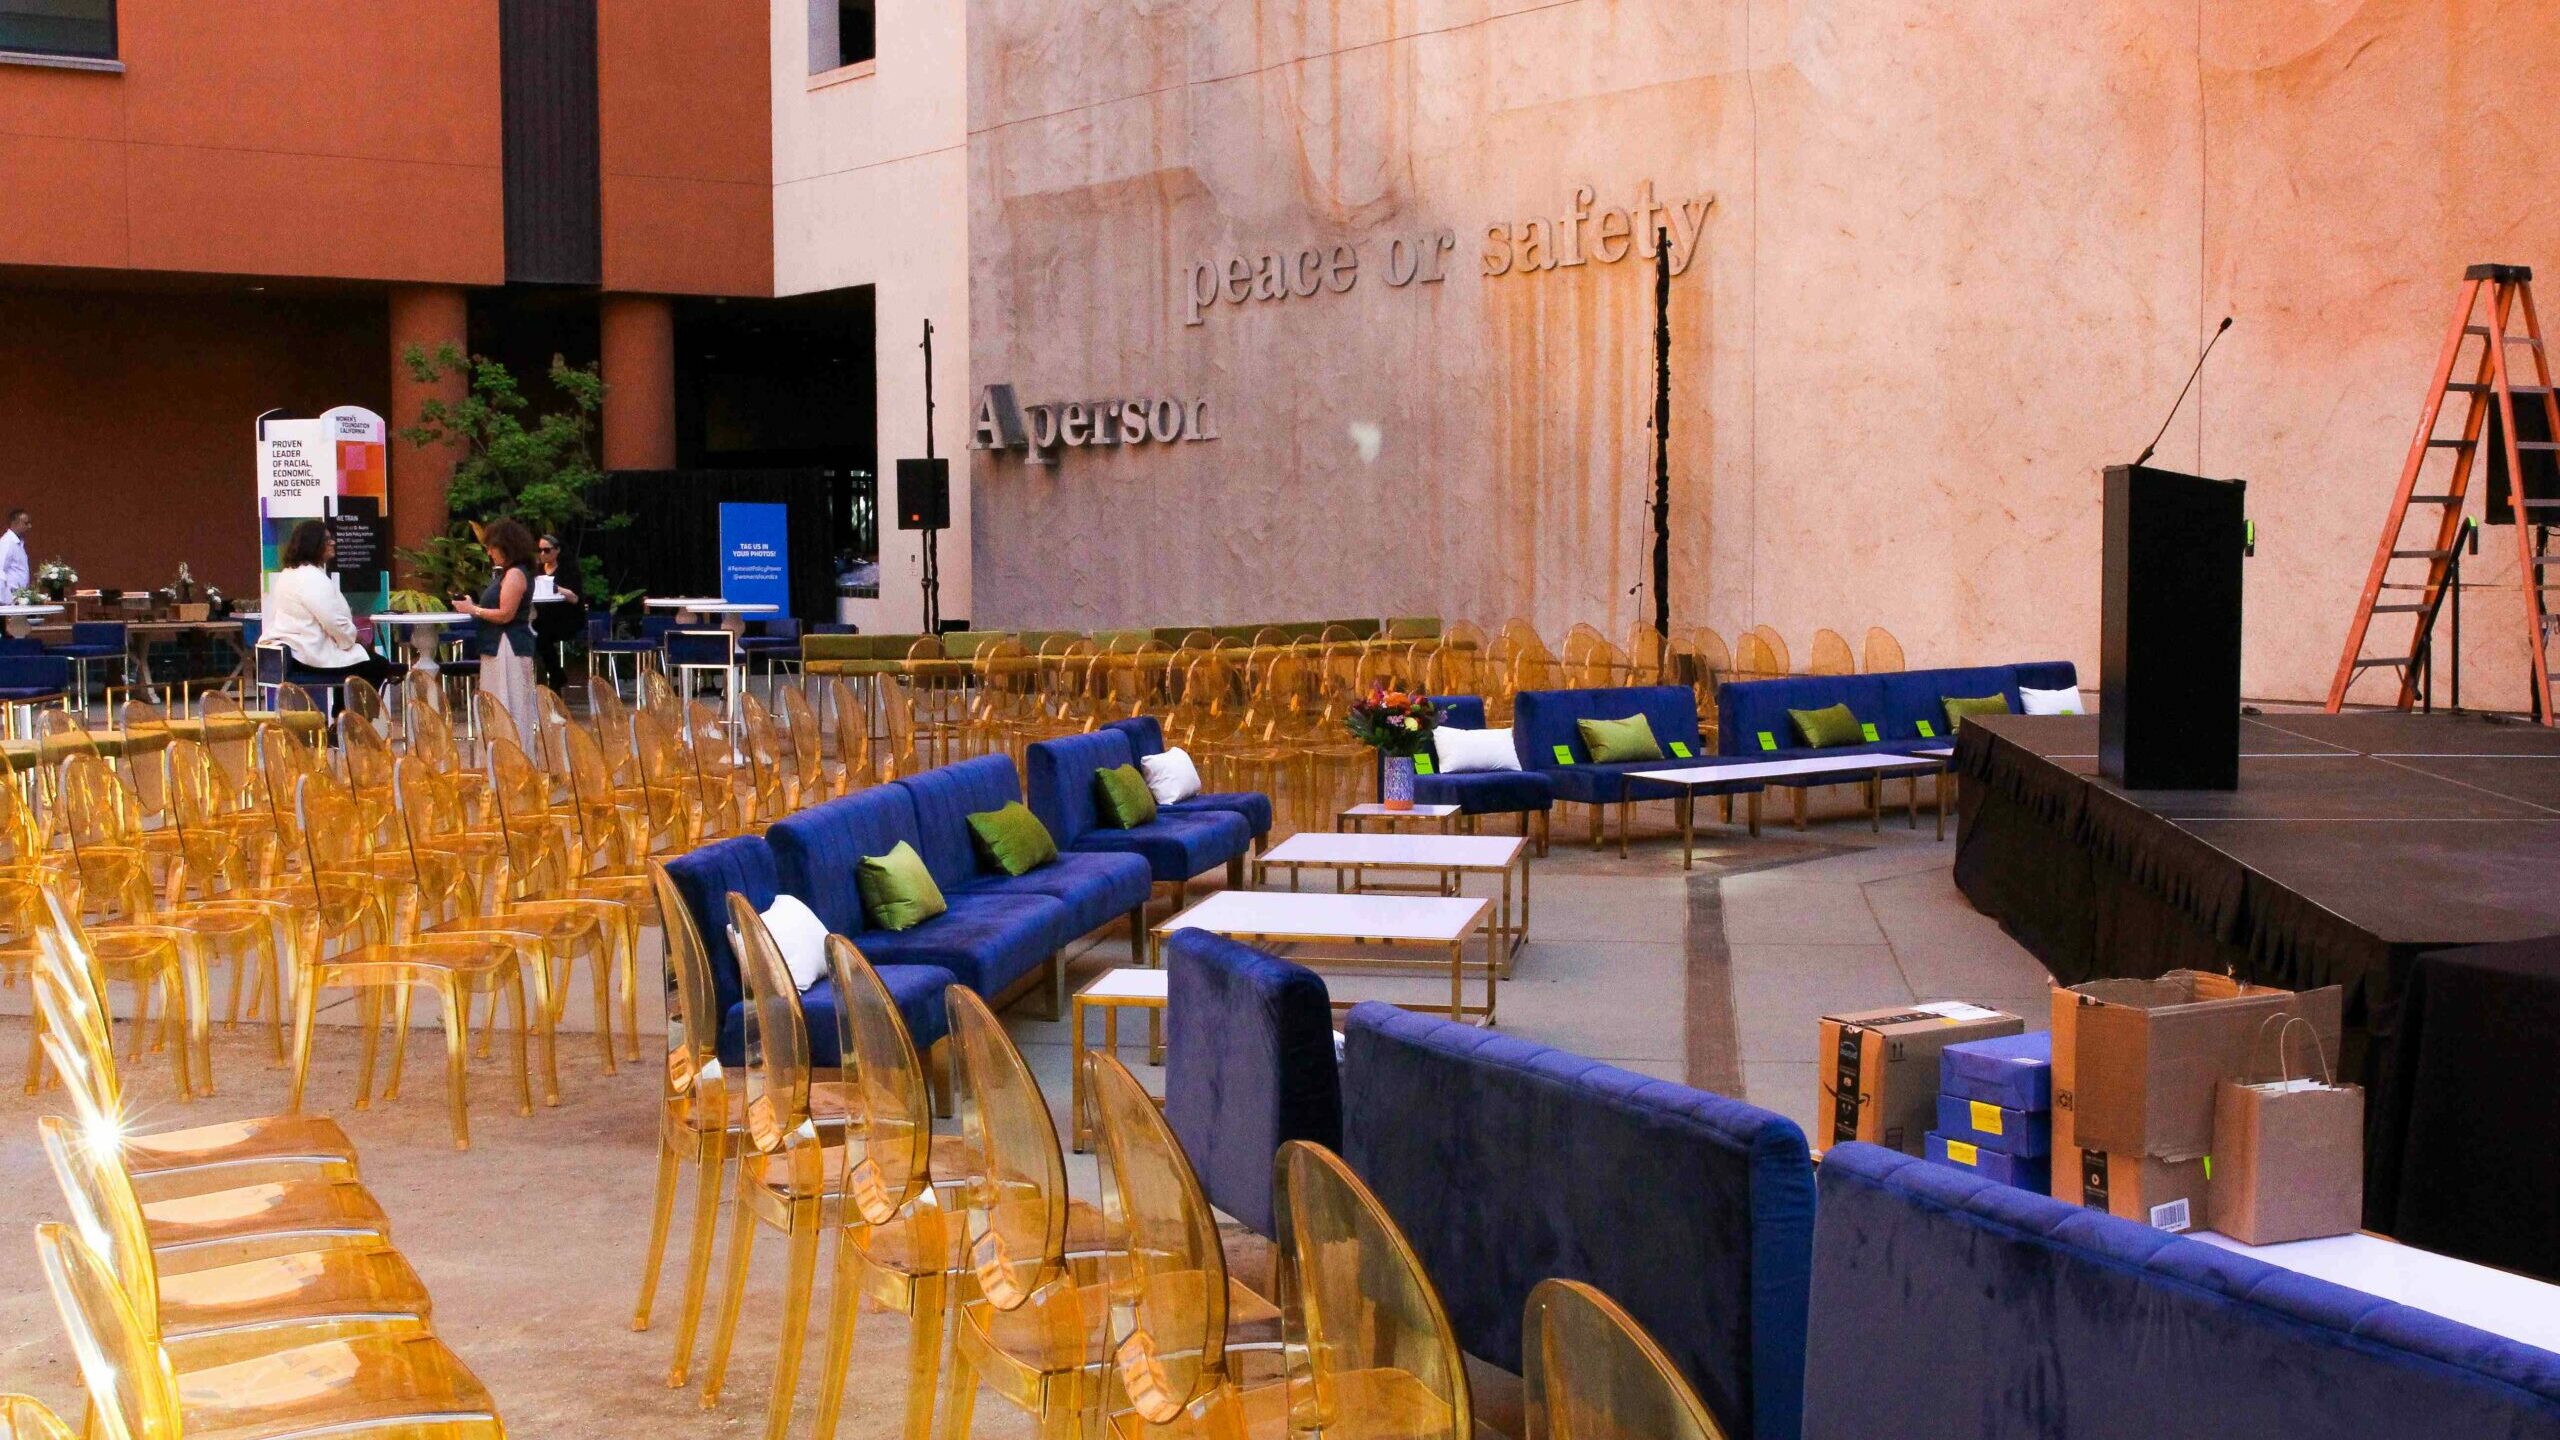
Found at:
[2182, 391]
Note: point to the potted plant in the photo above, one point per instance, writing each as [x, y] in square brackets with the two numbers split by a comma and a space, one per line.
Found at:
[55, 578]
[1398, 726]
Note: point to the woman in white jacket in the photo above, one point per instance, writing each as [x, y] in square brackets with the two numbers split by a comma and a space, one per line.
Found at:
[306, 614]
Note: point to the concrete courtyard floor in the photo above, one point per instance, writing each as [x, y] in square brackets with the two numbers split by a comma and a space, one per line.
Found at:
[531, 1241]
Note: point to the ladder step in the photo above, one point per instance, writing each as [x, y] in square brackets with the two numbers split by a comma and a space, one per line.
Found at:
[2420, 554]
[2456, 443]
[2478, 387]
[2538, 444]
[2398, 609]
[2435, 499]
[2397, 661]
[2483, 332]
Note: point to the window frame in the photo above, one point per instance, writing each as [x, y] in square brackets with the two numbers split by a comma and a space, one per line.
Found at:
[111, 59]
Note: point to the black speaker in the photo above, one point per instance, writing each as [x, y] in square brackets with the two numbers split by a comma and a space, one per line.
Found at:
[2169, 617]
[924, 494]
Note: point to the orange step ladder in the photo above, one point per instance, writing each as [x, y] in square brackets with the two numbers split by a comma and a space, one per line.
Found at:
[2509, 289]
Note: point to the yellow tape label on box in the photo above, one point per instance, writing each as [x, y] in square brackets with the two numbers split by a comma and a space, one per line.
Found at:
[1986, 1117]
[1963, 1154]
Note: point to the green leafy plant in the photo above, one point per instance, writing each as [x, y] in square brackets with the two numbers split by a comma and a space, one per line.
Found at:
[540, 471]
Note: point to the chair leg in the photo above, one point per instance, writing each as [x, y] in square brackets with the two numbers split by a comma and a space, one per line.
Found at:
[1138, 934]
[959, 1394]
[662, 1216]
[306, 1009]
[742, 1244]
[928, 1331]
[842, 1311]
[524, 1060]
[802, 1279]
[457, 1059]
[707, 1189]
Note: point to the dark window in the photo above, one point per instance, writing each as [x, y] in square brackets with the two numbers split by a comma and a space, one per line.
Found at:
[87, 28]
[840, 34]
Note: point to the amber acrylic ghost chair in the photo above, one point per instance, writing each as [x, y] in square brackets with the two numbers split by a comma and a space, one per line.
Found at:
[1592, 1373]
[548, 876]
[216, 856]
[1369, 1347]
[153, 961]
[166, 1163]
[898, 1244]
[614, 820]
[1027, 1326]
[698, 1121]
[784, 1178]
[1172, 1305]
[406, 1387]
[1830, 655]
[387, 966]
[23, 1417]
[287, 1293]
[810, 774]
[852, 736]
[667, 779]
[1883, 652]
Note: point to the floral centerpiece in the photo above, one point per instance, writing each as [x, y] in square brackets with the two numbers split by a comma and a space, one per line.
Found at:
[55, 578]
[1398, 726]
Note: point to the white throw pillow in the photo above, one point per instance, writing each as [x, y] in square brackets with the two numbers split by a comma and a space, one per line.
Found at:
[1465, 750]
[1171, 776]
[801, 937]
[2065, 701]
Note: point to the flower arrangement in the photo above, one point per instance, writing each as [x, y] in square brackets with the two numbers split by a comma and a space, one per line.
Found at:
[55, 578]
[1394, 722]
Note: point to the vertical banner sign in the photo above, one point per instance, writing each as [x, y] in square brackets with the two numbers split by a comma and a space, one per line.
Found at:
[335, 469]
[755, 556]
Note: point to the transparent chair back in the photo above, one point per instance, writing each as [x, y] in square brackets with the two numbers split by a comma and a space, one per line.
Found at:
[1592, 1373]
[1369, 1347]
[1017, 1201]
[889, 1118]
[1168, 1280]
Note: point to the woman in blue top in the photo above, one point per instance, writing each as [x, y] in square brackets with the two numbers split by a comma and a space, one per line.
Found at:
[503, 639]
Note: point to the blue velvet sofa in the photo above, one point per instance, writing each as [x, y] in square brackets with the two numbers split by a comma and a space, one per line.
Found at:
[1507, 1162]
[1947, 1304]
[1523, 792]
[1543, 720]
[745, 865]
[1146, 737]
[1176, 845]
[1249, 1066]
[1751, 715]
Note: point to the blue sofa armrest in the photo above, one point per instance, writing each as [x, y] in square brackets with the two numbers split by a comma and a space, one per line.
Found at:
[1507, 1162]
[1947, 1304]
[705, 877]
[1249, 1066]
[1059, 775]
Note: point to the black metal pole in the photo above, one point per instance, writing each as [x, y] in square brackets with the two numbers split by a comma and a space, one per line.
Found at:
[932, 551]
[1662, 433]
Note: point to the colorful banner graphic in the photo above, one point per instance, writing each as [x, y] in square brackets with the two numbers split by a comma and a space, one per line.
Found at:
[335, 468]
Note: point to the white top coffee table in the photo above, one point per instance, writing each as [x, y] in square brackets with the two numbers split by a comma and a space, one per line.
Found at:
[1128, 988]
[1358, 817]
[730, 616]
[1428, 922]
[1797, 773]
[1447, 857]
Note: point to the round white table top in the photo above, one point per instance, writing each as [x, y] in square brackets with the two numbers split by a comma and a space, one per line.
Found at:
[726, 607]
[678, 602]
[19, 612]
[420, 617]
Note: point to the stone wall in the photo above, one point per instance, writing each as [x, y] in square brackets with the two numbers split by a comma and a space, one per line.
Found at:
[1958, 258]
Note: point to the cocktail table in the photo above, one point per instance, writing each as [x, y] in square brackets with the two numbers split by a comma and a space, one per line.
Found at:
[1128, 988]
[1428, 922]
[1809, 770]
[1448, 858]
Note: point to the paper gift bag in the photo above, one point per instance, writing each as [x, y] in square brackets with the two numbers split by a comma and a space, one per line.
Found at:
[2288, 1152]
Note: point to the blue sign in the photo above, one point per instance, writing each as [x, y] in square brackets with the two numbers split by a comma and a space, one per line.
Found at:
[755, 556]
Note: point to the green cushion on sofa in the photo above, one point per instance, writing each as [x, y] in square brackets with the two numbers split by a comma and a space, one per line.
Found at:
[1980, 705]
[1829, 726]
[898, 892]
[1012, 839]
[1122, 796]
[1610, 742]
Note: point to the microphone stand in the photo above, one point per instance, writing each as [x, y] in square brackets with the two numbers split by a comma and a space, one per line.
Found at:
[2140, 459]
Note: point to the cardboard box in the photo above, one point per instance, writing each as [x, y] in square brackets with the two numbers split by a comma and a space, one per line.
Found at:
[2142, 1056]
[1879, 1069]
[2014, 1072]
[2025, 1172]
[2163, 1194]
[2025, 1134]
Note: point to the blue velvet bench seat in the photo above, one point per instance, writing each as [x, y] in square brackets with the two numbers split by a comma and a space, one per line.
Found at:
[1249, 1066]
[996, 943]
[1546, 721]
[1947, 1304]
[1146, 737]
[1506, 1163]
[1177, 845]
[1524, 792]
[707, 876]
[1097, 888]
[1908, 709]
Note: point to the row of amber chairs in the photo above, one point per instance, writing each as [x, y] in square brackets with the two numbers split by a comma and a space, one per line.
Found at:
[1121, 1314]
[234, 1279]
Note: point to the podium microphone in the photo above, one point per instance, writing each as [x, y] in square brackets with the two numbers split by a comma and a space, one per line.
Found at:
[2182, 391]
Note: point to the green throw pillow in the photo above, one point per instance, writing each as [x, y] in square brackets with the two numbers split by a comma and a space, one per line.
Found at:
[1981, 705]
[1611, 741]
[1831, 725]
[1012, 839]
[898, 893]
[1123, 797]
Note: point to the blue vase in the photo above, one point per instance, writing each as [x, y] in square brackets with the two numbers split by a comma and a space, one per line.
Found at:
[1395, 782]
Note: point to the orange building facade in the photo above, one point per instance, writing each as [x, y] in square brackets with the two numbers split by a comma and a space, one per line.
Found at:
[252, 205]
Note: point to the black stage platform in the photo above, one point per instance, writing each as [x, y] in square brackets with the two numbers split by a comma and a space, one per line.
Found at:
[2354, 844]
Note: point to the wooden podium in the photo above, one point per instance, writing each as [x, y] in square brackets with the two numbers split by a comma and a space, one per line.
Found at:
[2169, 663]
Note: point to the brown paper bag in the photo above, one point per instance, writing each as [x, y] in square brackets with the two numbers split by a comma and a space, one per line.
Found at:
[2288, 1152]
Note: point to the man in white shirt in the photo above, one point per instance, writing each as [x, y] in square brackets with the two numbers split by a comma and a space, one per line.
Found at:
[13, 555]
